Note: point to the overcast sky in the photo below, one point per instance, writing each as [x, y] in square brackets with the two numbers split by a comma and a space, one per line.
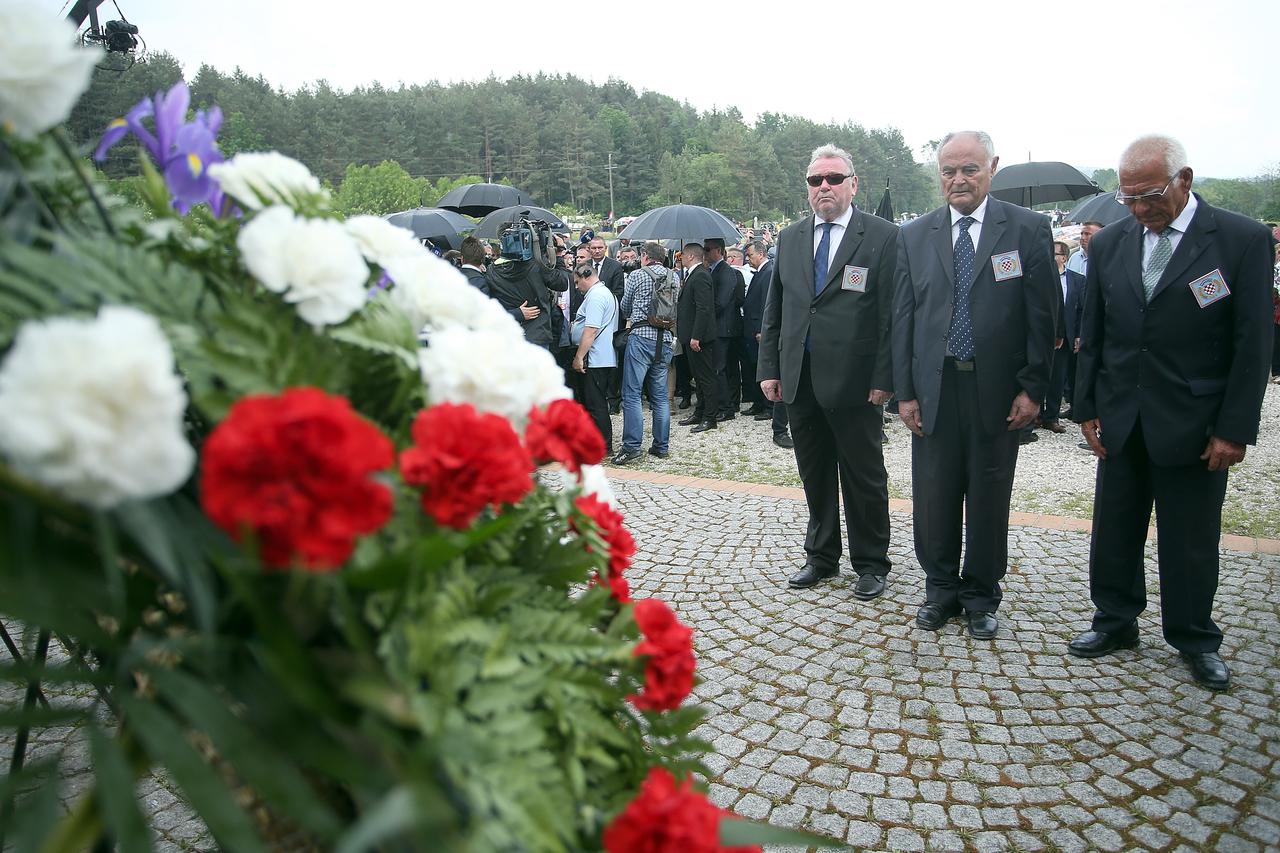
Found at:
[1050, 81]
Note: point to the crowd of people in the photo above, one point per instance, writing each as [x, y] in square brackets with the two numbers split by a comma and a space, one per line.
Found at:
[976, 324]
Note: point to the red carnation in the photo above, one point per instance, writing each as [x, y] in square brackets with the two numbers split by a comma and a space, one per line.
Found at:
[293, 471]
[622, 547]
[563, 432]
[668, 672]
[668, 817]
[464, 461]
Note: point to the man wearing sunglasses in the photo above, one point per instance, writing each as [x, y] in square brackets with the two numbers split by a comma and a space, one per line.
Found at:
[973, 336]
[1174, 347]
[824, 350]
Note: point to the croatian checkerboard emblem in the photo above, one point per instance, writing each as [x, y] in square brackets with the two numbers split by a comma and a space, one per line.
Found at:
[1007, 265]
[855, 279]
[1208, 289]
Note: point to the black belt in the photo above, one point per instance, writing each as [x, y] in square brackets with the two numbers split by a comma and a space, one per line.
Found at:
[958, 365]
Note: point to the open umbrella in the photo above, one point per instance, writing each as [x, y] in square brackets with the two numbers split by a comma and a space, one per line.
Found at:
[429, 223]
[482, 199]
[1040, 182]
[1102, 207]
[493, 224]
[685, 222]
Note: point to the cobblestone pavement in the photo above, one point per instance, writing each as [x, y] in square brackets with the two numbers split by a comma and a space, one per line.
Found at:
[841, 716]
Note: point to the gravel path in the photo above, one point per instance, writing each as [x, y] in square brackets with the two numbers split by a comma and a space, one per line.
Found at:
[1054, 476]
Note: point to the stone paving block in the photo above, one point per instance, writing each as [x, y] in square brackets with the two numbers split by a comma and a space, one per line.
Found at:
[753, 806]
[863, 834]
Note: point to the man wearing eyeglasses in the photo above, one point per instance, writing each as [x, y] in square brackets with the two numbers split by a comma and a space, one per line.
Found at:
[1172, 370]
[973, 337]
[824, 350]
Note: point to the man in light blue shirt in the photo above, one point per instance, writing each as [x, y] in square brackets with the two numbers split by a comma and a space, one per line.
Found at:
[1079, 260]
[593, 328]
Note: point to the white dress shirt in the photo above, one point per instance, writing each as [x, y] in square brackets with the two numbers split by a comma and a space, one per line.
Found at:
[1180, 225]
[975, 230]
[838, 226]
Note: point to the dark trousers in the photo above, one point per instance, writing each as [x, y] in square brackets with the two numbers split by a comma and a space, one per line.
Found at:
[1188, 504]
[595, 399]
[1069, 383]
[703, 366]
[751, 392]
[1051, 409]
[731, 374]
[572, 378]
[838, 451]
[1275, 351]
[615, 378]
[779, 418]
[684, 376]
[962, 480]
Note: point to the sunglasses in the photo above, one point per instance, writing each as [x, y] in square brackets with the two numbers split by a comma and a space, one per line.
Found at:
[835, 179]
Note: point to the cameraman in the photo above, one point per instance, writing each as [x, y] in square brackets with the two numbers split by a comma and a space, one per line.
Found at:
[523, 288]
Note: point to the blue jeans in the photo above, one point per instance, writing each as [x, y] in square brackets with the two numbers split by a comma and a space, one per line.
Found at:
[638, 370]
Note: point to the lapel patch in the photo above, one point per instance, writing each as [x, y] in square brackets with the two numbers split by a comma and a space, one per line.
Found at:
[855, 279]
[1007, 265]
[1208, 289]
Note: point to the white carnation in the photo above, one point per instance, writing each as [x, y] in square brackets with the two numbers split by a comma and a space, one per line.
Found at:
[435, 296]
[314, 263]
[491, 370]
[259, 179]
[594, 482]
[42, 72]
[381, 241]
[93, 408]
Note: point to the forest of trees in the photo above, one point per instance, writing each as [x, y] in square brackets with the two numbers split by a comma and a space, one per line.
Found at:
[554, 137]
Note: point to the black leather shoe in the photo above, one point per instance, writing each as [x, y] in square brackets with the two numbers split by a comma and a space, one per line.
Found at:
[753, 410]
[869, 587]
[690, 420]
[811, 575]
[931, 616]
[763, 416]
[727, 416]
[1095, 644]
[1027, 438]
[684, 403]
[704, 426]
[661, 454]
[626, 456]
[784, 440]
[982, 625]
[1208, 669]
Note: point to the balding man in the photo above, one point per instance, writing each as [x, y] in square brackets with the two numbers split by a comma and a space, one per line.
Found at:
[1172, 370]
[973, 335]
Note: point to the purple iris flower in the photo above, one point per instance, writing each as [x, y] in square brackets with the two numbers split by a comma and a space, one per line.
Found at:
[183, 150]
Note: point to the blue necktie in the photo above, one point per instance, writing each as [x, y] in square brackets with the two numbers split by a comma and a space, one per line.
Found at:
[820, 260]
[960, 335]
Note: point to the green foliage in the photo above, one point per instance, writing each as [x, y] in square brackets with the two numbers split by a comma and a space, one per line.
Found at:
[1107, 179]
[552, 136]
[378, 190]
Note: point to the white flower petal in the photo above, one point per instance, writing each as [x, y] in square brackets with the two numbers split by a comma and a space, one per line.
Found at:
[93, 408]
[42, 71]
[259, 179]
[492, 370]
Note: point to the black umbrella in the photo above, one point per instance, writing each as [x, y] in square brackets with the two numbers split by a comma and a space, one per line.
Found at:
[482, 199]
[429, 223]
[885, 208]
[493, 224]
[1100, 208]
[1029, 184]
[685, 222]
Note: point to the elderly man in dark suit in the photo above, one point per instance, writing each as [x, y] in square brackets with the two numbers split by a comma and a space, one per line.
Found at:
[824, 349]
[1173, 368]
[696, 328]
[973, 335]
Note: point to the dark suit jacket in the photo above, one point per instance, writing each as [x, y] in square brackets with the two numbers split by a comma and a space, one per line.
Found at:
[695, 310]
[848, 331]
[612, 274]
[730, 289]
[1074, 307]
[477, 279]
[1188, 372]
[753, 304]
[1013, 320]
